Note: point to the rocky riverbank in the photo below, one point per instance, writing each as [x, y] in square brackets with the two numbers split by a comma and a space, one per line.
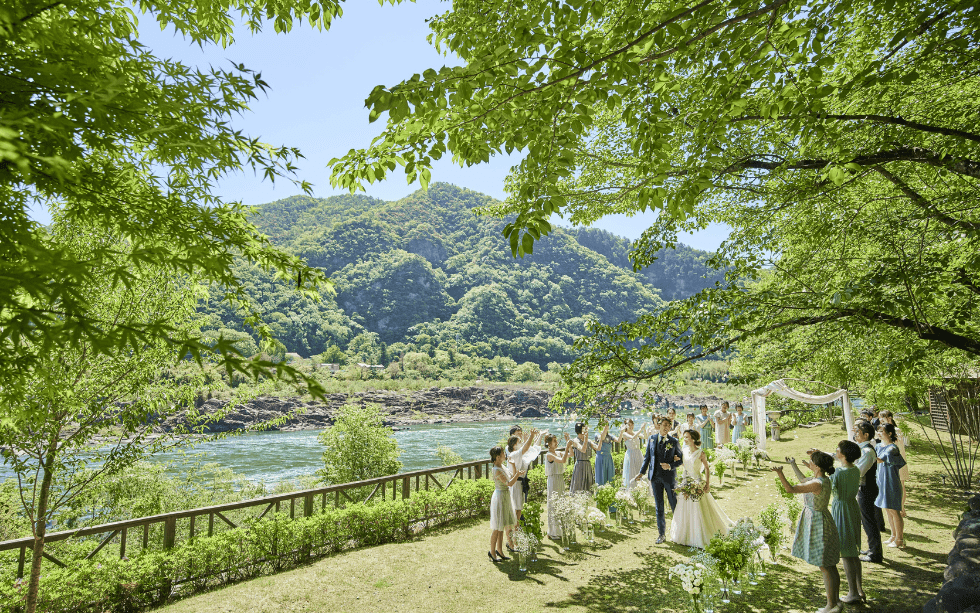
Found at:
[402, 409]
[431, 406]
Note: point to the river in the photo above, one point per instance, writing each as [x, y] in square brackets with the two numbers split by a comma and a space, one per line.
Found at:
[269, 457]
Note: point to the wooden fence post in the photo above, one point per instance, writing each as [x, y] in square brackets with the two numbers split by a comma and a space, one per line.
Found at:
[308, 505]
[406, 488]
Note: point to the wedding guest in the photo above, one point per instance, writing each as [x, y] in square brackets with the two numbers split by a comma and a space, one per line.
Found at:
[890, 461]
[502, 517]
[903, 473]
[739, 421]
[554, 470]
[519, 458]
[583, 476]
[687, 425]
[817, 541]
[634, 457]
[872, 520]
[845, 482]
[723, 424]
[605, 469]
[706, 426]
[674, 424]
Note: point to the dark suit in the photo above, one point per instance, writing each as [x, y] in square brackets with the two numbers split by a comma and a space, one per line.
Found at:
[657, 453]
[872, 519]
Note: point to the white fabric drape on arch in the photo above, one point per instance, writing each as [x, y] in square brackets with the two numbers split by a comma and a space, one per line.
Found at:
[781, 388]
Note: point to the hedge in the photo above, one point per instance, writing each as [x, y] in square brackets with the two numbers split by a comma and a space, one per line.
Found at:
[269, 545]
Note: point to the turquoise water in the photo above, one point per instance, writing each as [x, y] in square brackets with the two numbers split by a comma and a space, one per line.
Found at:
[268, 457]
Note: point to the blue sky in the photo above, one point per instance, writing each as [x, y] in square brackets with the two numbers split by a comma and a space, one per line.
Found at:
[318, 82]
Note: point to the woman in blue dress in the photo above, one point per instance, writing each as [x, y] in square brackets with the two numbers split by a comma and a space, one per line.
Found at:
[739, 421]
[844, 484]
[605, 470]
[707, 428]
[633, 459]
[890, 463]
[817, 541]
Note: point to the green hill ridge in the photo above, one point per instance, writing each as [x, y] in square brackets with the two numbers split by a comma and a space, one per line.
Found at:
[426, 273]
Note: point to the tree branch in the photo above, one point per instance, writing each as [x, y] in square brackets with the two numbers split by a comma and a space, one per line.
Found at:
[925, 205]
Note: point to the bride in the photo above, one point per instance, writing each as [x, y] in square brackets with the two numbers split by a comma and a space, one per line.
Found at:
[696, 521]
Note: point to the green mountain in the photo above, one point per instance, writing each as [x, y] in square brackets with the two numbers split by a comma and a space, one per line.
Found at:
[425, 273]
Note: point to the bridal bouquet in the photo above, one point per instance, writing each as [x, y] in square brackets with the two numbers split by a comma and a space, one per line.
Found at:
[693, 489]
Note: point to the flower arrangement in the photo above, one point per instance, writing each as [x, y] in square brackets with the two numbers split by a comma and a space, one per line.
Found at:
[531, 519]
[745, 452]
[564, 511]
[692, 578]
[770, 519]
[605, 496]
[730, 556]
[596, 518]
[525, 543]
[692, 489]
[758, 455]
[724, 457]
[640, 492]
[625, 498]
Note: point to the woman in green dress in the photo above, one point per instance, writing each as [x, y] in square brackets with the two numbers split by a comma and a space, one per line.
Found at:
[816, 540]
[845, 482]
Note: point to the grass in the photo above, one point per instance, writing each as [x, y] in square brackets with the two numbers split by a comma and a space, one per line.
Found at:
[447, 570]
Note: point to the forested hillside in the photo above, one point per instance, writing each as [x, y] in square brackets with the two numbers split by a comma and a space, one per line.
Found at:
[426, 273]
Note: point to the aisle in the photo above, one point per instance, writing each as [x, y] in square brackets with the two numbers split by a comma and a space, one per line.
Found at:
[448, 570]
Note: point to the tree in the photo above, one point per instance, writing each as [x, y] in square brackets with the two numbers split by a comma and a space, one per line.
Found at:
[132, 144]
[358, 446]
[86, 414]
[837, 138]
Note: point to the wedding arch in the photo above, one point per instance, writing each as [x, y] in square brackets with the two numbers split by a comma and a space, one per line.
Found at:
[781, 388]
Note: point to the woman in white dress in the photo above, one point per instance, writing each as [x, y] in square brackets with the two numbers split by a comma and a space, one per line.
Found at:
[502, 517]
[554, 470]
[696, 521]
[633, 459]
[520, 454]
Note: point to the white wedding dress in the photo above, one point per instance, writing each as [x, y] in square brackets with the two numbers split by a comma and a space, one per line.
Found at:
[696, 521]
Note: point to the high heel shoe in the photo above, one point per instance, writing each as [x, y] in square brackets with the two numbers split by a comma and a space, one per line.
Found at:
[502, 556]
[492, 559]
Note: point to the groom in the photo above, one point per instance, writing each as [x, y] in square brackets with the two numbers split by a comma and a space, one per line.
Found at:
[662, 457]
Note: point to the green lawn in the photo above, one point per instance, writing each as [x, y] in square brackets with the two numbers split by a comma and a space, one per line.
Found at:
[448, 570]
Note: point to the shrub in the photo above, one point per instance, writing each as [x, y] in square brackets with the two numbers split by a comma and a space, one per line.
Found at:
[271, 544]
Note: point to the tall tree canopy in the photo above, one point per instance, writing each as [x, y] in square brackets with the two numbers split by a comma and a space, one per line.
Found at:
[95, 124]
[836, 137]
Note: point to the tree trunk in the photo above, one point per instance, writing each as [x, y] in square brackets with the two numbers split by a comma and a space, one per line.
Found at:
[40, 527]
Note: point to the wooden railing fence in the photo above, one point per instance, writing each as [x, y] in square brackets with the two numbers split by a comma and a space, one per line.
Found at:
[396, 486]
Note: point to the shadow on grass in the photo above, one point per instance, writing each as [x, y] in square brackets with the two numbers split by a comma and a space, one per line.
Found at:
[651, 588]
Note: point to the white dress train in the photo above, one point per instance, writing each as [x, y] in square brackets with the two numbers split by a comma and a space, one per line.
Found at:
[696, 521]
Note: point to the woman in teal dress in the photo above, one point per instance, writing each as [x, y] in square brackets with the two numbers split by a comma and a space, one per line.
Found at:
[605, 470]
[890, 463]
[707, 428]
[817, 541]
[844, 484]
[739, 422]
